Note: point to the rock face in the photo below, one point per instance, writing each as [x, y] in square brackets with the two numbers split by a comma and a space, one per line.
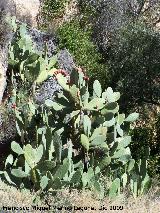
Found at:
[3, 69]
[111, 16]
[65, 61]
[27, 11]
[7, 129]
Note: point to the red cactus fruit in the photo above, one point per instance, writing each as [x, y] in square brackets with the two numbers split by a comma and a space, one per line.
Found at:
[61, 71]
[86, 78]
[13, 106]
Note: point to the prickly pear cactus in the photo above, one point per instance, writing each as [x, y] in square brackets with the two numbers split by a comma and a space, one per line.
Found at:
[74, 139]
[97, 130]
[33, 56]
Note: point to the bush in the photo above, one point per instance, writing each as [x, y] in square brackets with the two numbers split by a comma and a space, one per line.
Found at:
[129, 46]
[141, 141]
[146, 139]
[134, 64]
[78, 42]
[154, 160]
[52, 8]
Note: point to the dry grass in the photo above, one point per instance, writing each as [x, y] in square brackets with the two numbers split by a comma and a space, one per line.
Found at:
[149, 203]
[10, 196]
[144, 204]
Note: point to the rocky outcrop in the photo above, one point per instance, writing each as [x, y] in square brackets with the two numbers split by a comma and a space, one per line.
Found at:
[27, 11]
[65, 61]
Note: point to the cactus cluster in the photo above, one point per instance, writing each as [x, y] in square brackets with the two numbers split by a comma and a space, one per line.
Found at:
[42, 164]
[99, 131]
[31, 64]
[74, 139]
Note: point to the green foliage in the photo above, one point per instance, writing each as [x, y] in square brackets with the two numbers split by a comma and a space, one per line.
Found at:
[52, 9]
[141, 140]
[73, 140]
[157, 126]
[27, 66]
[92, 120]
[87, 13]
[153, 165]
[130, 46]
[140, 180]
[31, 65]
[144, 138]
[134, 64]
[78, 41]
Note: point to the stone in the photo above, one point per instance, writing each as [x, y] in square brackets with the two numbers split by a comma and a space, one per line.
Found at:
[48, 89]
[27, 11]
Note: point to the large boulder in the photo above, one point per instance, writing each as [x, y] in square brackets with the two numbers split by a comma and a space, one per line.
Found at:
[65, 61]
[27, 11]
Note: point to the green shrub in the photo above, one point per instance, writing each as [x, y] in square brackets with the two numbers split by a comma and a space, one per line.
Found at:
[153, 166]
[146, 139]
[141, 141]
[134, 66]
[154, 159]
[52, 8]
[157, 124]
[78, 42]
[87, 13]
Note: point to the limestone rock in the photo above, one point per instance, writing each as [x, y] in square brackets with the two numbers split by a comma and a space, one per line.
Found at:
[27, 11]
[65, 61]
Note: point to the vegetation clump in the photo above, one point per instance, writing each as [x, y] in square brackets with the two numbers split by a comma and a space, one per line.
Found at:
[80, 137]
[78, 41]
[73, 140]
